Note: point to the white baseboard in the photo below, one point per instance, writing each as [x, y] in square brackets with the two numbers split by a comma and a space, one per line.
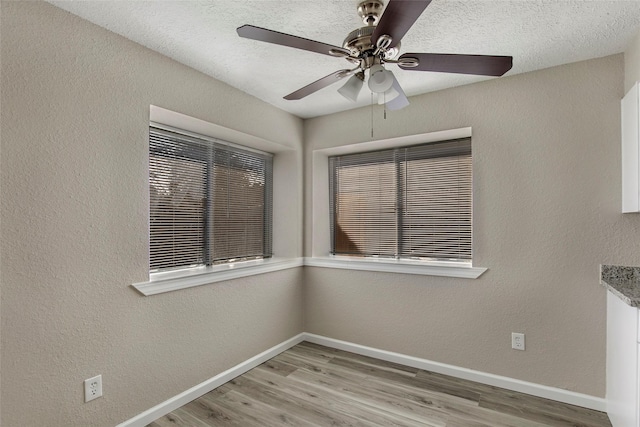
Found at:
[183, 398]
[557, 394]
[560, 395]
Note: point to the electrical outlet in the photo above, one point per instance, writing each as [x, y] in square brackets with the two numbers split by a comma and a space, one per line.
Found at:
[517, 341]
[92, 388]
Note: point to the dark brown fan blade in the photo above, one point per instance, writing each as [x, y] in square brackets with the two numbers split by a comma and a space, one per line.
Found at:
[317, 85]
[397, 18]
[483, 65]
[270, 36]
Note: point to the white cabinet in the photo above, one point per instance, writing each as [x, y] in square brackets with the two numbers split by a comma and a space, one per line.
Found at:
[630, 112]
[623, 363]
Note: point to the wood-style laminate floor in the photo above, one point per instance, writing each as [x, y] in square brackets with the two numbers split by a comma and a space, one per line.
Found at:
[312, 385]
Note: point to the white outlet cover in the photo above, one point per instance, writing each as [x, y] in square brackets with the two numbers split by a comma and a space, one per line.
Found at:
[92, 388]
[517, 341]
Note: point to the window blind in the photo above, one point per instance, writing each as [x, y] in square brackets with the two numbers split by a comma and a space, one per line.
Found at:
[410, 202]
[210, 202]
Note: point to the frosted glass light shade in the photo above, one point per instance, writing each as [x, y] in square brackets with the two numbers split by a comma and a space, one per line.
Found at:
[380, 80]
[351, 88]
[400, 101]
[387, 96]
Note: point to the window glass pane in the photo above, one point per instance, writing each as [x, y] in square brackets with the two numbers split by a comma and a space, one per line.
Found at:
[238, 206]
[412, 202]
[210, 202]
[365, 215]
[436, 221]
[177, 211]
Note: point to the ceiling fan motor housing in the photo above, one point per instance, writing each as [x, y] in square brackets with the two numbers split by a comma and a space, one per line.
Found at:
[359, 41]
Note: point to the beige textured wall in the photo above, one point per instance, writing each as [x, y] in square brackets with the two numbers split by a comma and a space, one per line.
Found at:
[73, 204]
[632, 63]
[546, 214]
[75, 110]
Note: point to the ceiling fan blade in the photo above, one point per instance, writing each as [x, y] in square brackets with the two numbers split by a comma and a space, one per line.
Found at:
[483, 65]
[275, 37]
[397, 18]
[318, 84]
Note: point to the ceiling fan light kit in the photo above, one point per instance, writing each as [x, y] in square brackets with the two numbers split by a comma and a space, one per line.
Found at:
[389, 95]
[375, 44]
[398, 102]
[380, 80]
[352, 87]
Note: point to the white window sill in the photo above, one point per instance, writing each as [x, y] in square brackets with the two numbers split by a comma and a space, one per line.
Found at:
[173, 281]
[428, 268]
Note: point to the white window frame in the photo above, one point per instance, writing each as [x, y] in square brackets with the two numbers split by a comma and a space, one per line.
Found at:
[287, 238]
[321, 236]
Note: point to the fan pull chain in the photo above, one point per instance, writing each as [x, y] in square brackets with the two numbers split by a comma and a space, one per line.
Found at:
[228, 181]
[371, 115]
[385, 104]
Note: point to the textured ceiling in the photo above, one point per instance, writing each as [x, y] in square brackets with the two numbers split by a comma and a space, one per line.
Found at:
[201, 34]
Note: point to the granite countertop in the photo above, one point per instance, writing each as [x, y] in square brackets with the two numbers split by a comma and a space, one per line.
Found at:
[624, 282]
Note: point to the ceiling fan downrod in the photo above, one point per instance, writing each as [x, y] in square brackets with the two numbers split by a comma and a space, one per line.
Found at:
[370, 11]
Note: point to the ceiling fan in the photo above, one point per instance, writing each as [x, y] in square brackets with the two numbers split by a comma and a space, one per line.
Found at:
[373, 46]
